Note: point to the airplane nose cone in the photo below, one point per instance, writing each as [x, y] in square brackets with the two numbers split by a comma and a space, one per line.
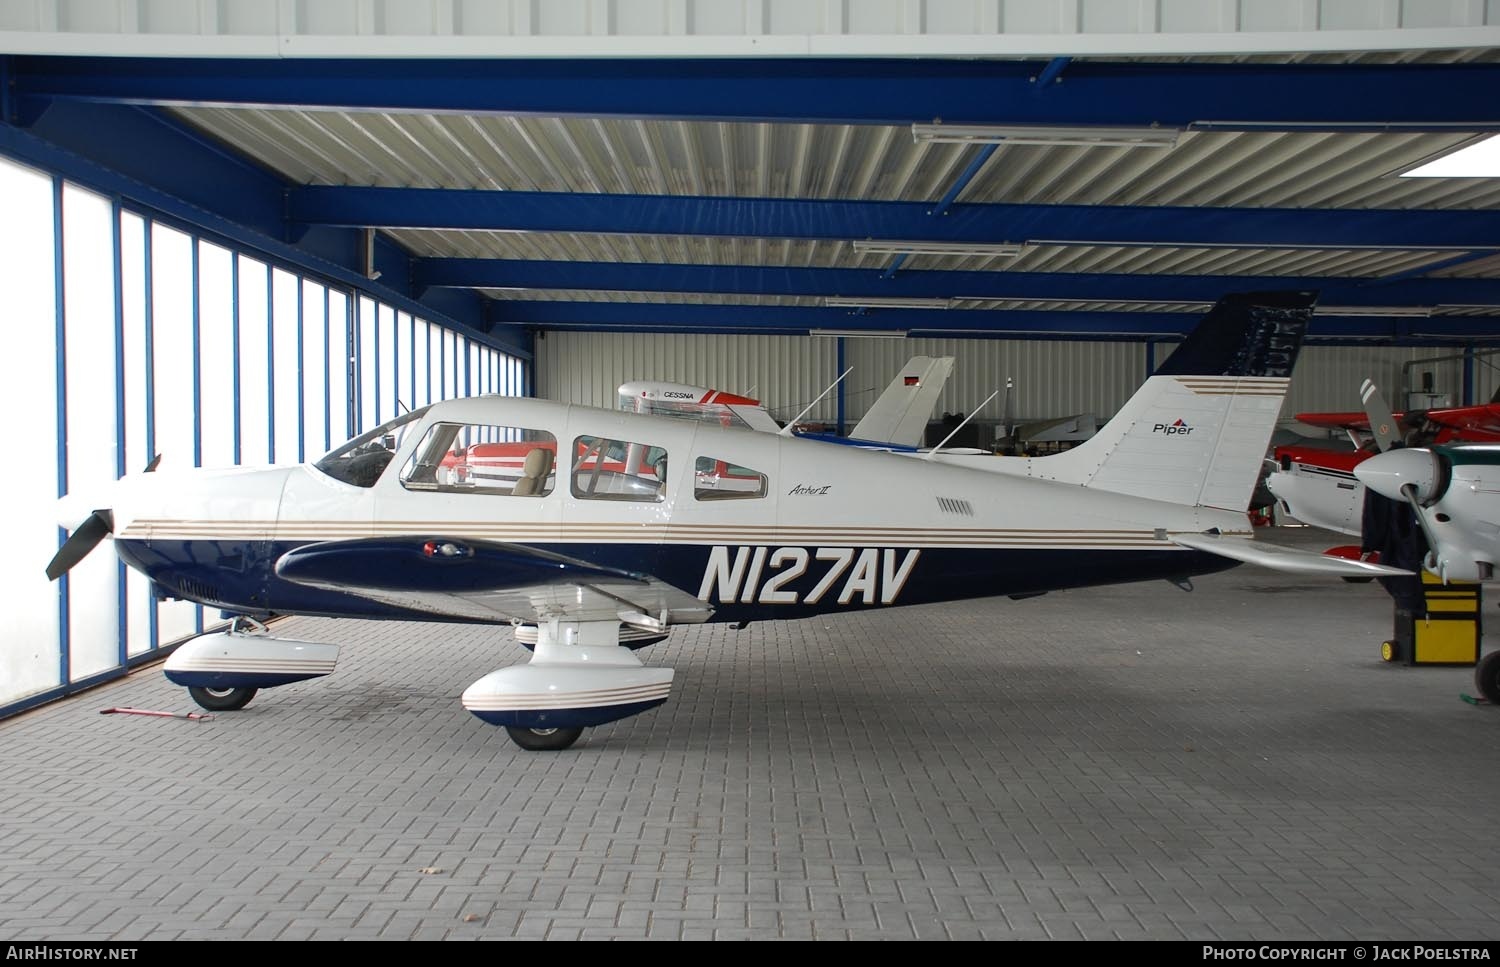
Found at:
[1388, 473]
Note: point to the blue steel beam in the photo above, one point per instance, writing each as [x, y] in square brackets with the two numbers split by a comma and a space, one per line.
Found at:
[154, 164]
[542, 211]
[803, 90]
[794, 281]
[1026, 324]
[951, 195]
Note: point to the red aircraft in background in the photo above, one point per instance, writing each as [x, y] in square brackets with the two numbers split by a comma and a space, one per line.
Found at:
[1317, 486]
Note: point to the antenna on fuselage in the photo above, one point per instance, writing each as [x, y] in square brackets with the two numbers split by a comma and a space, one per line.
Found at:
[933, 452]
[787, 430]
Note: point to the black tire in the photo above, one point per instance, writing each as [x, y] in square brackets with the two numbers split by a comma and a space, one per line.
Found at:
[543, 740]
[1487, 677]
[222, 699]
[1389, 651]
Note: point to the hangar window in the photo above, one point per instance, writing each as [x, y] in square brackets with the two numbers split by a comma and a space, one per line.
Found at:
[721, 480]
[471, 458]
[618, 470]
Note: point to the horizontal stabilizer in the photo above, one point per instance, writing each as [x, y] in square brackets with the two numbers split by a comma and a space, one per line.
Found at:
[1281, 558]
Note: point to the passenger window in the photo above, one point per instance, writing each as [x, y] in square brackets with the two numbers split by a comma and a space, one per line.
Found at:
[618, 470]
[469, 458]
[721, 480]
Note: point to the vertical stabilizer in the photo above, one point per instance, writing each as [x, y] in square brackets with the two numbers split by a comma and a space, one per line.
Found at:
[901, 413]
[1196, 432]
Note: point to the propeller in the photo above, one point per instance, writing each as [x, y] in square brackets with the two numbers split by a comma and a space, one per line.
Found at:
[94, 528]
[1378, 411]
[1417, 477]
[85, 537]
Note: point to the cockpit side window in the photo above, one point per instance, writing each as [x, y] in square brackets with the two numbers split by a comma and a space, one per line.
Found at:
[362, 460]
[617, 470]
[715, 479]
[471, 458]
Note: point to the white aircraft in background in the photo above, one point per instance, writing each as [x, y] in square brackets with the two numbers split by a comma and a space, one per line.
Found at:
[898, 416]
[1319, 486]
[619, 528]
[897, 420]
[1455, 493]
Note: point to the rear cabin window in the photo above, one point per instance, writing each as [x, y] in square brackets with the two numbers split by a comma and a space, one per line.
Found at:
[715, 479]
[618, 470]
[471, 458]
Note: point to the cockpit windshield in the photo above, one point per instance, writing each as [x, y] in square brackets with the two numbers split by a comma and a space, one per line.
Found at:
[362, 460]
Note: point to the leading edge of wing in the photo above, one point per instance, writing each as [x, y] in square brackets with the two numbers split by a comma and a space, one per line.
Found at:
[1281, 558]
[437, 564]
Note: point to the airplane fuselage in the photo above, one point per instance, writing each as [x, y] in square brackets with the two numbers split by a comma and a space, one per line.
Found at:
[829, 529]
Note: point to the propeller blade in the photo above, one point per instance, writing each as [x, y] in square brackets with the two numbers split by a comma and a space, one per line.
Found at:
[1410, 493]
[1378, 411]
[85, 538]
[155, 462]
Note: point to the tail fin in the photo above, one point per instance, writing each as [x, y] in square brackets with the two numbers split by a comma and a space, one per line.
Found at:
[1197, 431]
[901, 413]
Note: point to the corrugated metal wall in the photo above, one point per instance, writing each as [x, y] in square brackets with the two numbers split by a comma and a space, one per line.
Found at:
[783, 371]
[1328, 378]
[1051, 378]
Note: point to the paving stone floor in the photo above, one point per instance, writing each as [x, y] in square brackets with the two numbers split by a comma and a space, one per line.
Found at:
[1128, 762]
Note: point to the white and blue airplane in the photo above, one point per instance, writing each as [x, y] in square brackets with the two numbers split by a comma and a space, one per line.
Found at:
[622, 526]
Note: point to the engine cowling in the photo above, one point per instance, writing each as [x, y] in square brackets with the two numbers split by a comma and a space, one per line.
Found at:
[1390, 474]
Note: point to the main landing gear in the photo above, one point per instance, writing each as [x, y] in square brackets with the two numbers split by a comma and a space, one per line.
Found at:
[543, 740]
[579, 676]
[1487, 677]
[222, 699]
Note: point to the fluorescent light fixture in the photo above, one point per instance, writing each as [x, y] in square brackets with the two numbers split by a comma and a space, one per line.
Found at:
[1048, 333]
[1091, 303]
[871, 247]
[1086, 136]
[1405, 312]
[1478, 159]
[834, 301]
[858, 333]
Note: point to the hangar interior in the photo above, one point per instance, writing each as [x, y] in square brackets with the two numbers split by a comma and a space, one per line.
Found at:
[239, 233]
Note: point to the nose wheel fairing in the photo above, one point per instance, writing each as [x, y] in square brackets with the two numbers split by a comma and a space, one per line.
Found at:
[237, 659]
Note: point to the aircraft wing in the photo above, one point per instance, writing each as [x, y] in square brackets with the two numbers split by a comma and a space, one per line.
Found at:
[487, 581]
[1338, 421]
[1282, 558]
[1482, 419]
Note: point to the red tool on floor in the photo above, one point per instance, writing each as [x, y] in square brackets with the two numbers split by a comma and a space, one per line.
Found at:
[190, 716]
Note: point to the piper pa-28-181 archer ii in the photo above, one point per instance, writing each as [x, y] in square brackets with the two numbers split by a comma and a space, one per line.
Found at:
[621, 526]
